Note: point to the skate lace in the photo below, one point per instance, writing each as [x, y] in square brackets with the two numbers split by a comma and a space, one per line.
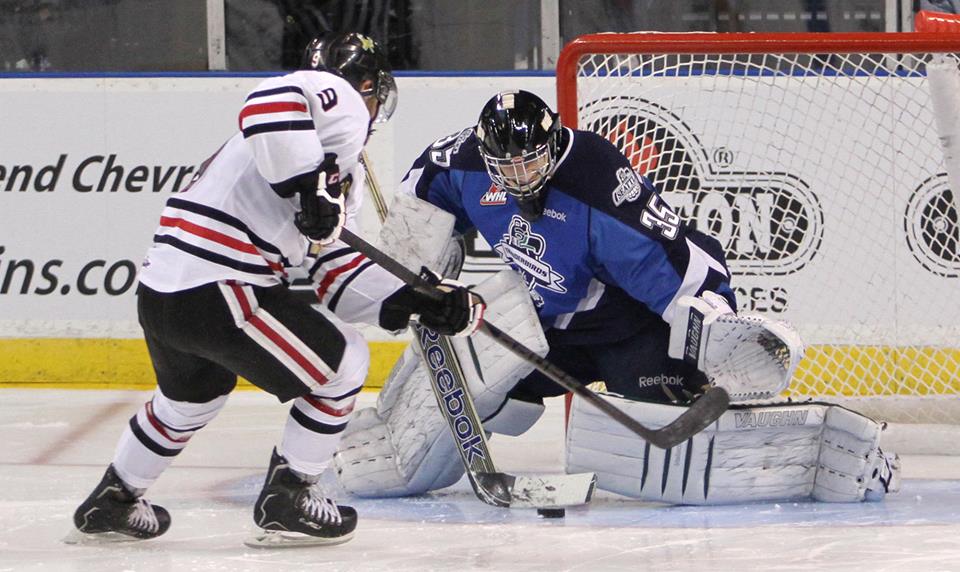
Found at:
[319, 507]
[143, 517]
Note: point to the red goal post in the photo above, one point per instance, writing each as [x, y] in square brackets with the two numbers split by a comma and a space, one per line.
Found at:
[745, 43]
[817, 160]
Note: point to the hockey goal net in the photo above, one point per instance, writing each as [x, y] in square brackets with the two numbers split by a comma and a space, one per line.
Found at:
[817, 160]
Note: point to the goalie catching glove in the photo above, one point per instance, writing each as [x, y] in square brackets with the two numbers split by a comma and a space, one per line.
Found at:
[459, 312]
[750, 356]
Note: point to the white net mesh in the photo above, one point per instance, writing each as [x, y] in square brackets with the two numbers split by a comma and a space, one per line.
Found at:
[823, 176]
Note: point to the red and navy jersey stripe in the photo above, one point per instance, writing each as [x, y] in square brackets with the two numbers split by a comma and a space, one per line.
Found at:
[217, 237]
[278, 109]
[333, 272]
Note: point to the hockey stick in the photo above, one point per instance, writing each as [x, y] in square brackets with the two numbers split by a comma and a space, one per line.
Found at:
[696, 418]
[457, 407]
[378, 203]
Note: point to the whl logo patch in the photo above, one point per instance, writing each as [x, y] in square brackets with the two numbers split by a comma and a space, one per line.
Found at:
[493, 197]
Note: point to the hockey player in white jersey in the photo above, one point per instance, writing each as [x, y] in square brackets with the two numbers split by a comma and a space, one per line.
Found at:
[213, 300]
[619, 289]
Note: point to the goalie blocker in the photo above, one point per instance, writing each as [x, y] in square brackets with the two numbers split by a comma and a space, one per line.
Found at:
[777, 452]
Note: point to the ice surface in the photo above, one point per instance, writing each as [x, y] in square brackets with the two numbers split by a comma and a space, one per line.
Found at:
[56, 445]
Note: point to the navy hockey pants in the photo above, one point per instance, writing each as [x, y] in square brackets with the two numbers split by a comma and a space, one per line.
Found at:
[636, 367]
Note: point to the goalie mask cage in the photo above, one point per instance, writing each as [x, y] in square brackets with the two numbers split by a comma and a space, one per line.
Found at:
[816, 160]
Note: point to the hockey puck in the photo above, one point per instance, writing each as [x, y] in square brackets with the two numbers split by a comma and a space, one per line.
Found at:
[551, 512]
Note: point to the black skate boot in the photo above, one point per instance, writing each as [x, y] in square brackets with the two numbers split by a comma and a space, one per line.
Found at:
[294, 511]
[113, 512]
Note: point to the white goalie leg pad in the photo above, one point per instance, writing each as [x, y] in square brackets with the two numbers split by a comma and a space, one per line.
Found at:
[490, 369]
[851, 465]
[404, 447]
[749, 355]
[515, 417]
[765, 453]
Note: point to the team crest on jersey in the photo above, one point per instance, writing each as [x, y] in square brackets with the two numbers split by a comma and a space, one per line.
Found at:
[629, 188]
[524, 249]
[493, 197]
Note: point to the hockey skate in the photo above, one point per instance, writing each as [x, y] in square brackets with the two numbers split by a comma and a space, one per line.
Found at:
[293, 511]
[114, 513]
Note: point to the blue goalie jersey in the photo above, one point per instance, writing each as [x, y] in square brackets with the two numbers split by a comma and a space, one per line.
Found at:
[607, 250]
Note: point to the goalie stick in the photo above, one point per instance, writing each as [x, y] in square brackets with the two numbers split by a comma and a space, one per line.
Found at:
[456, 405]
[697, 417]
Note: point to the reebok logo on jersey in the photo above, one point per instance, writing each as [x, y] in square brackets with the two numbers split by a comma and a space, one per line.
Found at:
[658, 380]
[554, 214]
[493, 197]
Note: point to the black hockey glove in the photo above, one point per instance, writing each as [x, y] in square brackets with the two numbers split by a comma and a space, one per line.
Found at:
[458, 313]
[322, 212]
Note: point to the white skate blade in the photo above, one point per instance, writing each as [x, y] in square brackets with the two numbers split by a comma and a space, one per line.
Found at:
[283, 539]
[75, 537]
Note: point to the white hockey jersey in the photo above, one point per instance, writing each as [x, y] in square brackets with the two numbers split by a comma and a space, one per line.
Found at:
[230, 224]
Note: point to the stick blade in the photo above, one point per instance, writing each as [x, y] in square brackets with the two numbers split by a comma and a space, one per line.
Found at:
[550, 491]
[535, 491]
[492, 488]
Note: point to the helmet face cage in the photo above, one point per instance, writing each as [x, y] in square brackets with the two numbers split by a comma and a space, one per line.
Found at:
[519, 140]
[523, 176]
[385, 91]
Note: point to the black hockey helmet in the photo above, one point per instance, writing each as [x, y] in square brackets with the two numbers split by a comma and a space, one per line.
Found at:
[357, 59]
[519, 139]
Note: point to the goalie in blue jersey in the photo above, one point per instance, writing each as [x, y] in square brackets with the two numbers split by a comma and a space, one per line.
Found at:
[612, 285]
